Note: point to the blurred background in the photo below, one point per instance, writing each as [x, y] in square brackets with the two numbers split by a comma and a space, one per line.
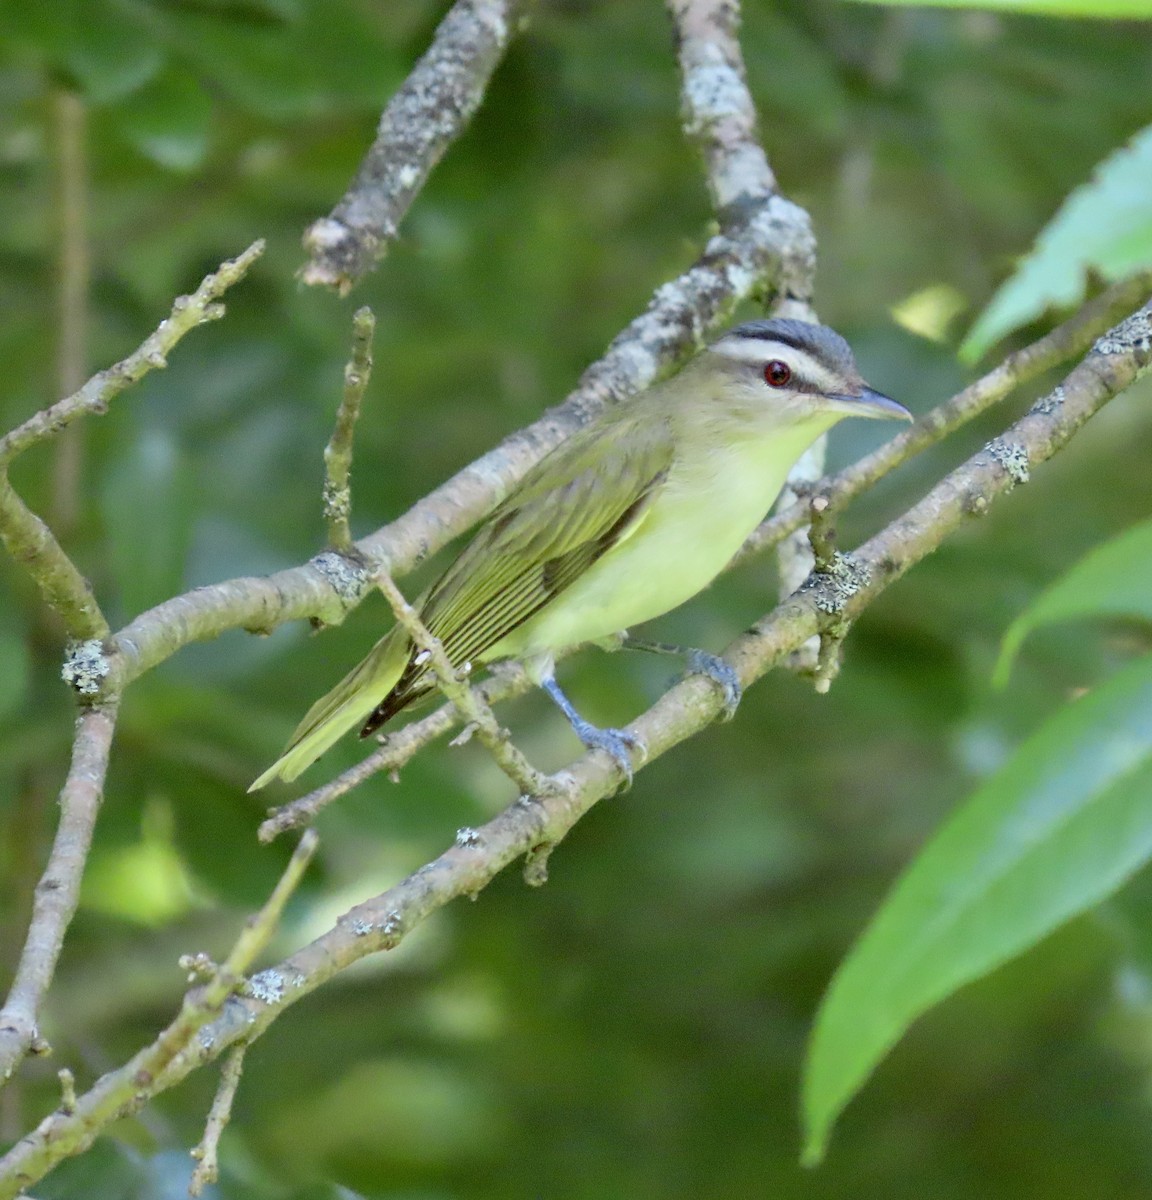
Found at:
[636, 1028]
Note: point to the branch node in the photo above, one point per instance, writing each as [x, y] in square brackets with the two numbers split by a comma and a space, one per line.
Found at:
[199, 967]
[67, 1091]
[536, 864]
[86, 666]
[346, 573]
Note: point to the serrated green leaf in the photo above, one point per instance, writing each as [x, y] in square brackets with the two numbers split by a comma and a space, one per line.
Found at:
[1057, 830]
[1104, 226]
[1101, 9]
[146, 508]
[169, 120]
[1113, 580]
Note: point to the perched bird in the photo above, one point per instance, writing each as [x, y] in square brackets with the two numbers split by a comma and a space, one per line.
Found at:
[627, 519]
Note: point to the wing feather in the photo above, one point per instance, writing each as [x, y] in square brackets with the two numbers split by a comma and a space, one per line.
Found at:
[577, 504]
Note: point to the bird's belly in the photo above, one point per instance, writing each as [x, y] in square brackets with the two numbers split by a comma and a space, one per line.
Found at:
[682, 544]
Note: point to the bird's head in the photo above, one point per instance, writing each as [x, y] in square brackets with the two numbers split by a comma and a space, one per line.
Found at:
[794, 371]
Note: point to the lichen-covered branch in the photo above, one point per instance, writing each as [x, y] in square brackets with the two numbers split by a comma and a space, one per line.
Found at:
[338, 452]
[718, 110]
[467, 866]
[151, 1069]
[58, 891]
[431, 109]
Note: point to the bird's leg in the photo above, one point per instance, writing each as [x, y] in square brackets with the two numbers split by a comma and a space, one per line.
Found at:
[699, 662]
[616, 742]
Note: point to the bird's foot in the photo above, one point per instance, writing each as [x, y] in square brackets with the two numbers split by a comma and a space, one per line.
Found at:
[617, 743]
[700, 662]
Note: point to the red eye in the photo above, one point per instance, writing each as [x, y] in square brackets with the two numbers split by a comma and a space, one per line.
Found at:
[777, 373]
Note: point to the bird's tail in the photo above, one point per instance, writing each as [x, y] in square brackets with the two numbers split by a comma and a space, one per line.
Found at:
[345, 706]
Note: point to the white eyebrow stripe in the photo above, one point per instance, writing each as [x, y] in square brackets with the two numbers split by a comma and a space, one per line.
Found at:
[758, 351]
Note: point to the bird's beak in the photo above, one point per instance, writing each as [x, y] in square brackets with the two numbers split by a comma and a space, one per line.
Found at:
[870, 403]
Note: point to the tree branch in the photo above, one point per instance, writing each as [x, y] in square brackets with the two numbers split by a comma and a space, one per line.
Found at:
[94, 397]
[59, 888]
[687, 708]
[428, 113]
[150, 1070]
[338, 452]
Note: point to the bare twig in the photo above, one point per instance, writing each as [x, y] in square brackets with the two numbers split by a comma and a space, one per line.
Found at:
[397, 748]
[32, 544]
[206, 1153]
[468, 701]
[151, 1069]
[338, 452]
[684, 710]
[59, 888]
[187, 313]
[427, 114]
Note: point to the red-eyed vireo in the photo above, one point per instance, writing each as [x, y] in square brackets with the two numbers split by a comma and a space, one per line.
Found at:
[624, 521]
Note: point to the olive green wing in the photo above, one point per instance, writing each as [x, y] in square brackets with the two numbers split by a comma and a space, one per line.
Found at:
[574, 506]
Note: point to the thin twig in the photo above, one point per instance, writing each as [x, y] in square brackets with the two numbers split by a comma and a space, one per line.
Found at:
[431, 109]
[1072, 337]
[825, 562]
[397, 749]
[207, 1152]
[686, 709]
[187, 313]
[58, 891]
[26, 537]
[338, 452]
[169, 1056]
[468, 701]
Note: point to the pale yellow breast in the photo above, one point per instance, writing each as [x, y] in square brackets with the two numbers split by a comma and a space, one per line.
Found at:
[706, 509]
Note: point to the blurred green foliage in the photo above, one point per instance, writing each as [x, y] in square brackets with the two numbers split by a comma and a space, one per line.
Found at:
[636, 1027]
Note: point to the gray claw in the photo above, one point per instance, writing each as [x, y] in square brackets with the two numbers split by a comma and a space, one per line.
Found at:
[616, 742]
[700, 662]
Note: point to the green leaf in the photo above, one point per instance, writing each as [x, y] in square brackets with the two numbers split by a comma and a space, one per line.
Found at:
[1104, 226]
[1105, 9]
[146, 505]
[1058, 829]
[1113, 580]
[169, 120]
